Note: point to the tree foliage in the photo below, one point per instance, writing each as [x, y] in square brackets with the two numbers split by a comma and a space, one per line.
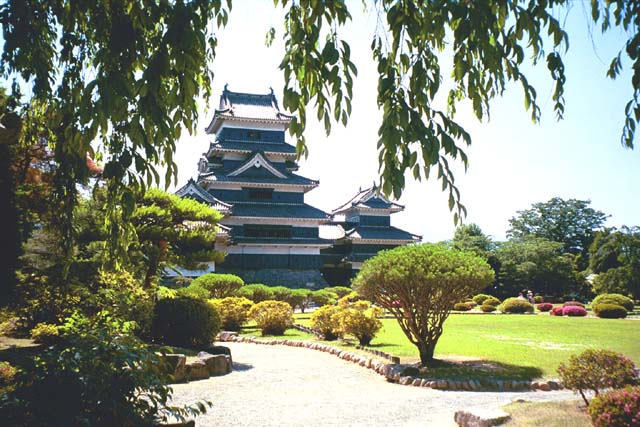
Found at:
[571, 222]
[615, 256]
[535, 263]
[419, 285]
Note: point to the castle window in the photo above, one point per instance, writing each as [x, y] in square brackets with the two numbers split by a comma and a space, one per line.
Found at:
[260, 193]
[254, 135]
[267, 231]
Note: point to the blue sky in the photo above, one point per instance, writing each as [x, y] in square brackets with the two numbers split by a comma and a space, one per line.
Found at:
[513, 162]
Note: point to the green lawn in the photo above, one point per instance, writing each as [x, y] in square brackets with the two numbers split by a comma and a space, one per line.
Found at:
[516, 346]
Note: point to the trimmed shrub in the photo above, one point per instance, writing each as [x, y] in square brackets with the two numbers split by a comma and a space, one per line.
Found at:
[538, 299]
[360, 319]
[325, 321]
[185, 322]
[256, 292]
[610, 311]
[480, 298]
[45, 333]
[516, 306]
[545, 306]
[193, 291]
[573, 304]
[272, 317]
[164, 292]
[557, 311]
[233, 311]
[491, 301]
[574, 311]
[462, 306]
[616, 299]
[281, 293]
[299, 298]
[341, 291]
[488, 308]
[597, 370]
[616, 408]
[322, 297]
[7, 376]
[219, 285]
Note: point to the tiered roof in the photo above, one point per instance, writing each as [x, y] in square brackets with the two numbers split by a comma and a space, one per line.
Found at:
[368, 199]
[243, 107]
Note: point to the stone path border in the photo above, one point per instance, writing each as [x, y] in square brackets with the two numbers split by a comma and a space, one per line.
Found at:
[393, 371]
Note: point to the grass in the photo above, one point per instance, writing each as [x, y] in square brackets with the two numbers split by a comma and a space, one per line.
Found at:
[511, 346]
[545, 414]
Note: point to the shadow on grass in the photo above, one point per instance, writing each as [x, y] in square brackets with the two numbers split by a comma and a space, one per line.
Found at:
[480, 370]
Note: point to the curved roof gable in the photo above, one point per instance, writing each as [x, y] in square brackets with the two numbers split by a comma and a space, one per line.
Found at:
[369, 198]
[193, 190]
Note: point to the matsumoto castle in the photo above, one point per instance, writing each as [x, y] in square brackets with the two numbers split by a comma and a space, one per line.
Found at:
[269, 233]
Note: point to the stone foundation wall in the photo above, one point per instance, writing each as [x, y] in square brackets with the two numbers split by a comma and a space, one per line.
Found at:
[278, 277]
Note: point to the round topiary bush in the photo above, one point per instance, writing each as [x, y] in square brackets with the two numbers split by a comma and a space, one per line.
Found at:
[616, 299]
[272, 317]
[461, 306]
[184, 322]
[256, 292]
[219, 285]
[574, 311]
[557, 311]
[488, 308]
[538, 299]
[234, 311]
[193, 291]
[545, 306]
[616, 408]
[610, 311]
[516, 306]
[326, 321]
[573, 304]
[492, 301]
[45, 333]
[322, 297]
[480, 298]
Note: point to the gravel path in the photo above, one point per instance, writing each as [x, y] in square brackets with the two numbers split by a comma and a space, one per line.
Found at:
[293, 386]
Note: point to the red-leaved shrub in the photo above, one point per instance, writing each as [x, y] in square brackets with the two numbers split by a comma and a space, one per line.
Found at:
[616, 408]
[545, 306]
[557, 311]
[574, 311]
[573, 303]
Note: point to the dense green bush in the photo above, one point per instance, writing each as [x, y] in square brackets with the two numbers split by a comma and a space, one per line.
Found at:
[516, 306]
[322, 297]
[538, 299]
[282, 293]
[480, 298]
[99, 375]
[7, 377]
[461, 306]
[359, 319]
[272, 317]
[45, 333]
[491, 301]
[185, 322]
[488, 308]
[233, 311]
[163, 292]
[596, 370]
[299, 298]
[616, 408]
[193, 291]
[219, 285]
[617, 299]
[256, 292]
[325, 321]
[610, 311]
[341, 291]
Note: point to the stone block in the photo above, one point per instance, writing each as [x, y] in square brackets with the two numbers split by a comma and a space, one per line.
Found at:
[218, 364]
[175, 365]
[481, 417]
[197, 370]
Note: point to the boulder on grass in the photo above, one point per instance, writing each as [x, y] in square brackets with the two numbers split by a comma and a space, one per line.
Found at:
[481, 417]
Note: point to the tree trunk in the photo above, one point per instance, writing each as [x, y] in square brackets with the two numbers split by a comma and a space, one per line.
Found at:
[426, 352]
[152, 272]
